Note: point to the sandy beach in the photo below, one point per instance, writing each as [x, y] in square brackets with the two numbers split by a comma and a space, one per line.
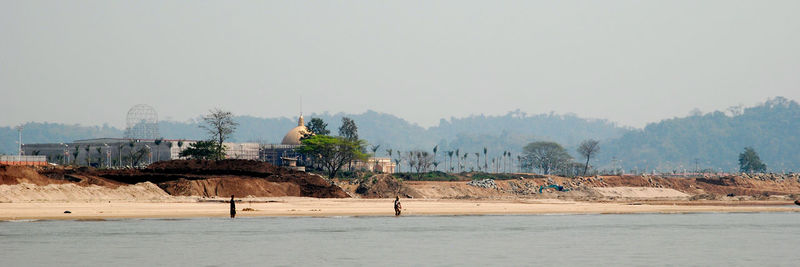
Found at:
[298, 206]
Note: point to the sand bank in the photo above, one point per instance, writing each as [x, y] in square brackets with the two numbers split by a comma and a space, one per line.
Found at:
[294, 206]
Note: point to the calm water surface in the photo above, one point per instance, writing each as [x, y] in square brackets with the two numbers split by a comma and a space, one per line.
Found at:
[753, 239]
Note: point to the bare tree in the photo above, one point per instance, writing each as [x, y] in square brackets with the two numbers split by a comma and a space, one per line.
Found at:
[588, 148]
[220, 125]
[420, 160]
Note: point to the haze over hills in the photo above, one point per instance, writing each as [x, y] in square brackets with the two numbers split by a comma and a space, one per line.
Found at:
[713, 139]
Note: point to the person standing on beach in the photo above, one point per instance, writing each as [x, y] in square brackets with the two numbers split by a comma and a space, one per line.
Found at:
[233, 207]
[397, 206]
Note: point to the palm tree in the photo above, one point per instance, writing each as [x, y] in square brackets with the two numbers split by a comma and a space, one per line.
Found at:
[478, 160]
[450, 164]
[120, 146]
[375, 150]
[397, 164]
[400, 159]
[423, 155]
[158, 142]
[88, 149]
[458, 158]
[493, 165]
[502, 161]
[506, 168]
[389, 151]
[180, 147]
[169, 146]
[410, 160]
[465, 159]
[131, 144]
[485, 159]
[435, 149]
[75, 155]
[99, 156]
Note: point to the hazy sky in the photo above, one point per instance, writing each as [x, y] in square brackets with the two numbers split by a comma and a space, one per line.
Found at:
[632, 62]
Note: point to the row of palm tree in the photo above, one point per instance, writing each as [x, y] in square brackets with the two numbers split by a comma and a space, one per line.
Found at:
[502, 164]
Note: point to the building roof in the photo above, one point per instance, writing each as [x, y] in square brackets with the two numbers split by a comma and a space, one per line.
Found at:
[294, 135]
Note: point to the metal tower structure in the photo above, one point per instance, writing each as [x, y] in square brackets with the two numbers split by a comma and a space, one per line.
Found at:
[142, 123]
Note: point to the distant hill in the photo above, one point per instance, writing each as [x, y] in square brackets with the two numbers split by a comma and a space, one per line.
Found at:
[714, 139]
[36, 132]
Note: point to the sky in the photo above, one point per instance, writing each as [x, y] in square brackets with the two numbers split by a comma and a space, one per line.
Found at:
[631, 62]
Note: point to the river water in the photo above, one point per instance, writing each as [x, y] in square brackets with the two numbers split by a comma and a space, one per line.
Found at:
[706, 239]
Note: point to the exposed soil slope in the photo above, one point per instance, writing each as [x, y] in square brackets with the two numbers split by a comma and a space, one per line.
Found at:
[178, 178]
[228, 177]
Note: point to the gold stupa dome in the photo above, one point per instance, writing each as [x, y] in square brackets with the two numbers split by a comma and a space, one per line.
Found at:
[294, 135]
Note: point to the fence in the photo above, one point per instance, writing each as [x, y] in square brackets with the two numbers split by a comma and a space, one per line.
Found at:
[24, 160]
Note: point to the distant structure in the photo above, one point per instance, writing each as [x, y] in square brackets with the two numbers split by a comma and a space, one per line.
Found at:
[139, 148]
[141, 123]
[279, 154]
[294, 135]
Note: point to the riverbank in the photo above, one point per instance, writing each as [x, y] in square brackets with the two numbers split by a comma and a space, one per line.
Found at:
[298, 206]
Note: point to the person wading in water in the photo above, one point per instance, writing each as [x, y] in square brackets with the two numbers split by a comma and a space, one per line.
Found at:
[233, 208]
[397, 206]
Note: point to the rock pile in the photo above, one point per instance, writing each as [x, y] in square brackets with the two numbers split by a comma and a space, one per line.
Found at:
[485, 183]
[771, 176]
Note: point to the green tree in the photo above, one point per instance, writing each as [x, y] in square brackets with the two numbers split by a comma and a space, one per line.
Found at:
[332, 152]
[220, 126]
[750, 162]
[546, 156]
[317, 126]
[588, 148]
[202, 150]
[348, 130]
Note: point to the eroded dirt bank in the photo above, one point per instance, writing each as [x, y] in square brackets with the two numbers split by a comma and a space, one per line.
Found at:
[177, 178]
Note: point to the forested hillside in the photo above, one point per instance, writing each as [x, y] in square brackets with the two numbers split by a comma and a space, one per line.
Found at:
[714, 140]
